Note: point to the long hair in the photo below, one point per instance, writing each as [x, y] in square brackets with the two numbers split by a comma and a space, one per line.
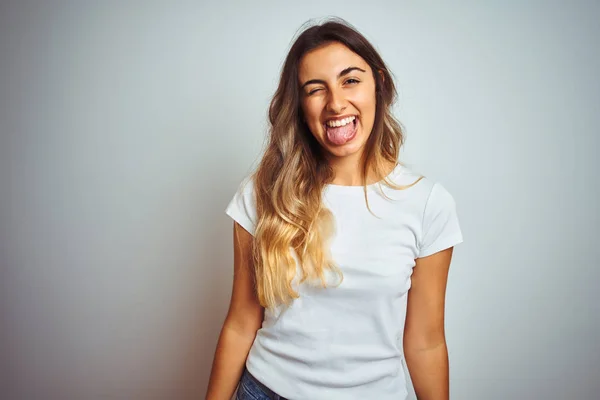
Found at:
[293, 171]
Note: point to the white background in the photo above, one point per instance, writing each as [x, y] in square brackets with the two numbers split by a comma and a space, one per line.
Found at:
[125, 130]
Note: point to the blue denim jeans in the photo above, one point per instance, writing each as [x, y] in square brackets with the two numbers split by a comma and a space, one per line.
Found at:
[251, 389]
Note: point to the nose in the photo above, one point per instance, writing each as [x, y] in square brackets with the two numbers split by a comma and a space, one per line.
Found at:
[336, 102]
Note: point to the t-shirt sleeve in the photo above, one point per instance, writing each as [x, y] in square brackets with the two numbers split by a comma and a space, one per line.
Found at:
[441, 228]
[242, 208]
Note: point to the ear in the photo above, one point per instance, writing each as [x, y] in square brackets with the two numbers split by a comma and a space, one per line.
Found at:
[382, 75]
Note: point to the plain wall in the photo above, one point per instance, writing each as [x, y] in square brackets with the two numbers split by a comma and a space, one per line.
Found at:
[126, 128]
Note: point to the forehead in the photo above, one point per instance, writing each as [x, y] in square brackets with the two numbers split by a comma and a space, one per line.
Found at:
[327, 61]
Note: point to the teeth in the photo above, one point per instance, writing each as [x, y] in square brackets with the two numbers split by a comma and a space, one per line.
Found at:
[342, 122]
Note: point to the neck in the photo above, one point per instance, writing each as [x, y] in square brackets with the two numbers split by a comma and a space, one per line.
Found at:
[348, 172]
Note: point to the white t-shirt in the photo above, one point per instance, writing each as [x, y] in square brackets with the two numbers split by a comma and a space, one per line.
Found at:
[345, 342]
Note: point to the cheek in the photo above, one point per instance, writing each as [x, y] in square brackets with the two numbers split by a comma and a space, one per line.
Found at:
[312, 113]
[312, 110]
[366, 101]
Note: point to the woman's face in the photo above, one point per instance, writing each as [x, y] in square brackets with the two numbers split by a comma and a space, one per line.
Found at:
[337, 92]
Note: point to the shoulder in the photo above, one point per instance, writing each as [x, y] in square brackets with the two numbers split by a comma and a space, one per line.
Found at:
[424, 188]
[242, 207]
[439, 226]
[246, 186]
[425, 198]
[415, 186]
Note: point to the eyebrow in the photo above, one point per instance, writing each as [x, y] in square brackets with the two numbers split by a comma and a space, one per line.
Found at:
[344, 72]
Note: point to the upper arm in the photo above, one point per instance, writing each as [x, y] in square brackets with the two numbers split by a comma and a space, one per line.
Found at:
[426, 300]
[245, 312]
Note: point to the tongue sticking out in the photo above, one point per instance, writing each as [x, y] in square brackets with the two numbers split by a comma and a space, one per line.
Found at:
[341, 134]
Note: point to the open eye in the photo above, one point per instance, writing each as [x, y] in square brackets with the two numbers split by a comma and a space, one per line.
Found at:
[352, 81]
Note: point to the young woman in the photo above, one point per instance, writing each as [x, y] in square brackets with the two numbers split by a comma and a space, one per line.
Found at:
[341, 253]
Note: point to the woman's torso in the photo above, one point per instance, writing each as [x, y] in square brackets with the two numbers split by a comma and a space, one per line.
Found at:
[346, 342]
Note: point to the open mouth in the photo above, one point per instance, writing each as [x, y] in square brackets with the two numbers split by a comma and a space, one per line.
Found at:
[354, 122]
[341, 134]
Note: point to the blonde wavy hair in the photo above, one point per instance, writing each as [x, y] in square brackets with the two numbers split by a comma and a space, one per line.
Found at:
[293, 171]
